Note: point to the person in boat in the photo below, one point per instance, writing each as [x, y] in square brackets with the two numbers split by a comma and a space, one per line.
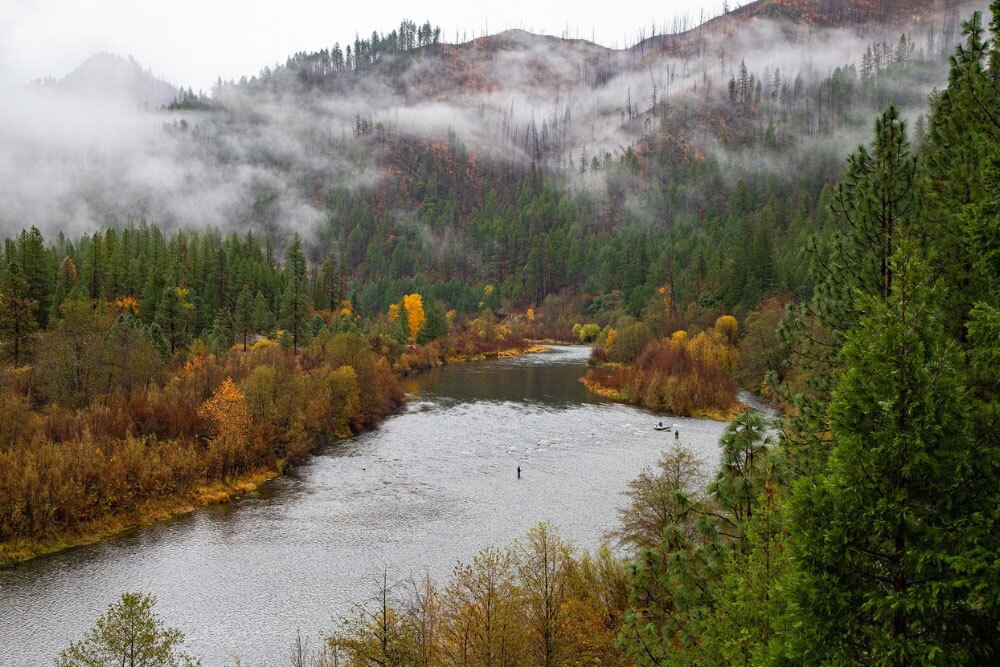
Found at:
[660, 425]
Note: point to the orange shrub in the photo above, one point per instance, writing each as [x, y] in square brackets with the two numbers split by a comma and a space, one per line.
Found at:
[686, 377]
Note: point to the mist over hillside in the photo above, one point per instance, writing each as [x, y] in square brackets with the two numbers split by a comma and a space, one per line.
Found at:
[756, 89]
[108, 76]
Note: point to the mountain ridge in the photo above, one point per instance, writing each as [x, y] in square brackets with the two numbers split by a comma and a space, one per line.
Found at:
[811, 13]
[111, 75]
[108, 75]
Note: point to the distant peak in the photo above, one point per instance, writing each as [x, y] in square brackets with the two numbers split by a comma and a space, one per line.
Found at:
[109, 75]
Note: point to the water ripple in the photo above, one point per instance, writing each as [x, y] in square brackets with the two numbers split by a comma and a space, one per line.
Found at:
[432, 485]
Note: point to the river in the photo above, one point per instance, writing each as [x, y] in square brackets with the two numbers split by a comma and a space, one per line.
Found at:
[431, 486]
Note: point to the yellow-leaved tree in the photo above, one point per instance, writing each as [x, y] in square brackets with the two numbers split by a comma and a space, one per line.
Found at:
[482, 620]
[727, 328]
[230, 447]
[609, 342]
[413, 305]
[713, 350]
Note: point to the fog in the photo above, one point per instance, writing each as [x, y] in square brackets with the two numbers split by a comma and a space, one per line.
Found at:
[74, 158]
[191, 42]
[72, 164]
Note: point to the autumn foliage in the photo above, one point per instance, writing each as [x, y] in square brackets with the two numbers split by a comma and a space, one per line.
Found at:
[682, 375]
[413, 306]
[65, 464]
[537, 602]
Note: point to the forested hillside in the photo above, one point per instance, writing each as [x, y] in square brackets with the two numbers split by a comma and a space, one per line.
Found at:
[534, 165]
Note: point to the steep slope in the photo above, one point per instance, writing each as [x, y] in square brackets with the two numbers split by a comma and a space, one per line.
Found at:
[834, 13]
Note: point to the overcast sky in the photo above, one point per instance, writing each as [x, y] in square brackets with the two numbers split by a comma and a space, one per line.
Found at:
[191, 42]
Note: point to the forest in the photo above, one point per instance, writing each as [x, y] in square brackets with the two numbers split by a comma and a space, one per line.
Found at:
[891, 425]
[164, 373]
[148, 368]
[655, 166]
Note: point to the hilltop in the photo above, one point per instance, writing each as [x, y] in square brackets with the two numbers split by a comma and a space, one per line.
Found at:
[109, 76]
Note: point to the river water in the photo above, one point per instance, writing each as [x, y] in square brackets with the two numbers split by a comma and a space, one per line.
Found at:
[431, 486]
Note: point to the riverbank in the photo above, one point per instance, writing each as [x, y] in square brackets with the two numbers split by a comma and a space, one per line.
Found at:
[433, 484]
[682, 396]
[419, 358]
[618, 396]
[532, 348]
[213, 428]
[19, 550]
[556, 341]
[681, 375]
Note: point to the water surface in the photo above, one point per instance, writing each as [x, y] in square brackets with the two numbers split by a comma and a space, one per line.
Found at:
[433, 485]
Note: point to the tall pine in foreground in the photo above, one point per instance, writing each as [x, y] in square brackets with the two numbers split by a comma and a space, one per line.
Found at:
[964, 137]
[876, 204]
[888, 540]
[894, 536]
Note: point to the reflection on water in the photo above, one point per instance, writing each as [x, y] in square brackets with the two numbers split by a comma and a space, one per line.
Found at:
[554, 384]
[433, 485]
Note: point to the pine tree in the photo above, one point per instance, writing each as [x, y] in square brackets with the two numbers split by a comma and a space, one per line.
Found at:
[222, 331]
[963, 136]
[93, 265]
[676, 588]
[18, 322]
[295, 260]
[174, 314]
[129, 634]
[38, 270]
[982, 231]
[261, 320]
[243, 316]
[295, 312]
[889, 539]
[738, 484]
[152, 292]
[327, 294]
[436, 324]
[876, 204]
[295, 301]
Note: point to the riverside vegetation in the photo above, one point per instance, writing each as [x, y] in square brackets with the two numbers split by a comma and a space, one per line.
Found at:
[862, 530]
[115, 411]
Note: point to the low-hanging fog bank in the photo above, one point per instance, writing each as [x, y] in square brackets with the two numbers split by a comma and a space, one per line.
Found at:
[264, 151]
